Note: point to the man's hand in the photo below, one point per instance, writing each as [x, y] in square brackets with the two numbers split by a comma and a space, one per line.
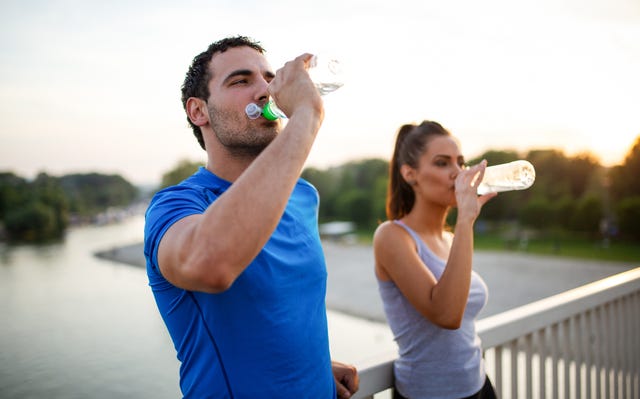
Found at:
[293, 89]
[347, 380]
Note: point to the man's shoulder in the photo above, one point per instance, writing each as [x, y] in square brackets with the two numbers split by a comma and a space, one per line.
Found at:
[202, 184]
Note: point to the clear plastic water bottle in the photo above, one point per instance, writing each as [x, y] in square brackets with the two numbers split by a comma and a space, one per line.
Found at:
[516, 175]
[326, 74]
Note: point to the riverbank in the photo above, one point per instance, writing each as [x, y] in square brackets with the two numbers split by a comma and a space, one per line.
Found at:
[514, 279]
[131, 254]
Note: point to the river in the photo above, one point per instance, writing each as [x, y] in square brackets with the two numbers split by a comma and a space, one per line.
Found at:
[77, 326]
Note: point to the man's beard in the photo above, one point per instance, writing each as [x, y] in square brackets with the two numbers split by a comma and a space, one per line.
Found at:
[235, 134]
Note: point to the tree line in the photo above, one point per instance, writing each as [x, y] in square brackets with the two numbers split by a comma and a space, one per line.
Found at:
[575, 194]
[571, 193]
[43, 208]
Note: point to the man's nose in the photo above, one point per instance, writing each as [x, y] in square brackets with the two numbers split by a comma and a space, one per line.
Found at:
[262, 91]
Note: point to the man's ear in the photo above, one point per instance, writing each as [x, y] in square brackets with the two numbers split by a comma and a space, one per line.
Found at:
[197, 111]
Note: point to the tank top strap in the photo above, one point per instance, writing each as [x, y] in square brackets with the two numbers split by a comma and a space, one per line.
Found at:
[422, 247]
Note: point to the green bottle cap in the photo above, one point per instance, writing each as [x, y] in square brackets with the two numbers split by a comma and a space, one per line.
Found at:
[272, 112]
[268, 113]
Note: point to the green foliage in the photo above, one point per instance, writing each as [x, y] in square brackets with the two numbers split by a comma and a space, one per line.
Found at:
[563, 244]
[583, 172]
[566, 194]
[558, 176]
[355, 191]
[563, 211]
[628, 212]
[587, 215]
[92, 193]
[624, 179]
[33, 221]
[51, 194]
[13, 190]
[183, 169]
[537, 213]
[570, 194]
[356, 206]
[40, 210]
[35, 211]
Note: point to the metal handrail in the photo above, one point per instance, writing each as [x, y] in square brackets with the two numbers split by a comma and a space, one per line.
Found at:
[514, 331]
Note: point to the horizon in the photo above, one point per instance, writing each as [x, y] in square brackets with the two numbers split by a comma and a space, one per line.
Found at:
[521, 154]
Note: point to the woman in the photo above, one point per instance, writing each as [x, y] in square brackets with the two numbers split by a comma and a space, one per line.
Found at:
[430, 293]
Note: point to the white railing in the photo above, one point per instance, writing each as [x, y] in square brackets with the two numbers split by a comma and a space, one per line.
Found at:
[583, 343]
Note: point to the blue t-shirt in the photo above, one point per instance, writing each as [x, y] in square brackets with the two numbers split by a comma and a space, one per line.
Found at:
[264, 337]
[434, 362]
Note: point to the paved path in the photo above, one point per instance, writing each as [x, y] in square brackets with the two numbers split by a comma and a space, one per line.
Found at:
[513, 279]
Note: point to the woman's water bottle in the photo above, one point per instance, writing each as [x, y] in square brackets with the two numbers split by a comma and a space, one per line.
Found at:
[326, 74]
[516, 175]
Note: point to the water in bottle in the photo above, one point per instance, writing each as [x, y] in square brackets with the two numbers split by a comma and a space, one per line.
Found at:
[516, 175]
[326, 74]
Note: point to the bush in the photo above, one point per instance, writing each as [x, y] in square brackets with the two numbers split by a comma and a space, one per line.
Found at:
[628, 213]
[587, 215]
[32, 222]
[537, 213]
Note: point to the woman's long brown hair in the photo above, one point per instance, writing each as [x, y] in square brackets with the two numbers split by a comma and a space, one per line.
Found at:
[411, 143]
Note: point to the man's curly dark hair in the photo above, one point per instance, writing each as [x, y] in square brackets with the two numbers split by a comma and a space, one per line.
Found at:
[198, 76]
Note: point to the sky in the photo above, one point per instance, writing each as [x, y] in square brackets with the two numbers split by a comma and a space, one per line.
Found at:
[89, 86]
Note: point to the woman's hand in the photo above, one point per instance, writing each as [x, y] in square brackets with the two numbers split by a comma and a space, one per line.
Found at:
[466, 186]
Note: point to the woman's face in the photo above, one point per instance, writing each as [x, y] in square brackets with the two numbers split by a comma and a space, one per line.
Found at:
[436, 172]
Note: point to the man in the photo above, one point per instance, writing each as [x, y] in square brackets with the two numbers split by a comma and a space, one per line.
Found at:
[233, 252]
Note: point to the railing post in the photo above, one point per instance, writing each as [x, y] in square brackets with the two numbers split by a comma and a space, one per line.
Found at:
[541, 346]
[555, 384]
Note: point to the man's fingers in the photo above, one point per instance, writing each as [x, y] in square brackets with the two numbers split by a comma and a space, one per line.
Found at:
[343, 392]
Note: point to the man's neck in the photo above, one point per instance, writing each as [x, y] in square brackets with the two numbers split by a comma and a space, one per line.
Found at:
[228, 167]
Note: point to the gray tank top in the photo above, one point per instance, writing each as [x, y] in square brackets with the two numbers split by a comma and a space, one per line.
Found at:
[434, 362]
